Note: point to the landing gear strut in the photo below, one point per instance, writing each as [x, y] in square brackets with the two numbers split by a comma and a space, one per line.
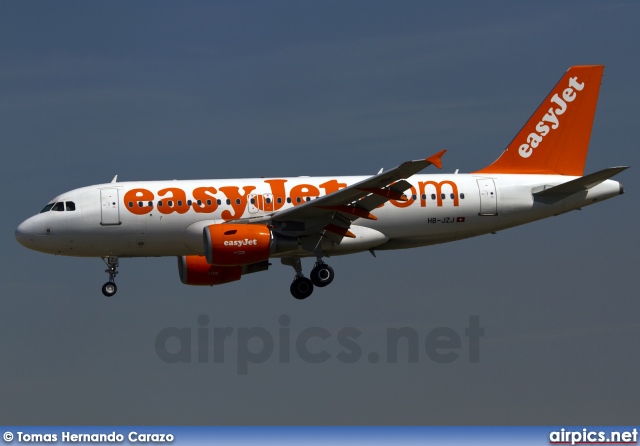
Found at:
[110, 288]
[301, 288]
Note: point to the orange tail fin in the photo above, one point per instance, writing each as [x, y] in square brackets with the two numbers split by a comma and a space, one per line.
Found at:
[555, 140]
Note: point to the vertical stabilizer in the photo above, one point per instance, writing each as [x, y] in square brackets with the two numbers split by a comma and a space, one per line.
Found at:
[555, 140]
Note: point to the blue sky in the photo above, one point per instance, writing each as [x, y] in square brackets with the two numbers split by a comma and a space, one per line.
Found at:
[163, 90]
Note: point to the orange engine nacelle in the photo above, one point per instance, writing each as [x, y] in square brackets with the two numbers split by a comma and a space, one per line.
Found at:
[236, 245]
[194, 270]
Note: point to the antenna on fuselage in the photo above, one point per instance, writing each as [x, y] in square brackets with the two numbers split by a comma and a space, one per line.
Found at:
[115, 179]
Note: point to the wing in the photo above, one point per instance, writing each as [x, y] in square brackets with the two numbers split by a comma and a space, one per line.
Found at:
[331, 215]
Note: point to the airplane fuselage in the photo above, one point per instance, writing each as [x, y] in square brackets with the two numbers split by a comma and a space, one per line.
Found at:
[166, 218]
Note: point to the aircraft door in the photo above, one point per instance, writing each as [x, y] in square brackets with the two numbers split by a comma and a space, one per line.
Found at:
[109, 207]
[268, 202]
[488, 197]
[252, 203]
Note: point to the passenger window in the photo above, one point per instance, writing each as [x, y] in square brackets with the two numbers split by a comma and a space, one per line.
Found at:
[170, 203]
[151, 204]
[47, 208]
[453, 196]
[298, 200]
[433, 196]
[462, 196]
[208, 202]
[288, 199]
[237, 201]
[443, 196]
[228, 201]
[159, 204]
[219, 201]
[58, 207]
[253, 201]
[414, 197]
[268, 200]
[179, 203]
[424, 196]
[279, 200]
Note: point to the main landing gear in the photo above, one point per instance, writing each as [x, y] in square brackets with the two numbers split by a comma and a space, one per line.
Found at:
[110, 288]
[321, 276]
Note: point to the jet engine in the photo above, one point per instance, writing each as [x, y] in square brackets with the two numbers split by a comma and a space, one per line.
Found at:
[236, 244]
[195, 270]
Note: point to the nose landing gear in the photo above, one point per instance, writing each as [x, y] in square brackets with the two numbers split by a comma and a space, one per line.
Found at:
[110, 288]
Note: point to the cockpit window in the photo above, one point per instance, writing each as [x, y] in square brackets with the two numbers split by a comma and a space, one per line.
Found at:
[47, 208]
[71, 206]
[58, 206]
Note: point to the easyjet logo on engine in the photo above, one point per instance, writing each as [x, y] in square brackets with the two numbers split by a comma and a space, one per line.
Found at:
[550, 121]
[245, 242]
[272, 197]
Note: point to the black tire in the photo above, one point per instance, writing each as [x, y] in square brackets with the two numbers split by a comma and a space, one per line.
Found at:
[109, 289]
[322, 275]
[301, 288]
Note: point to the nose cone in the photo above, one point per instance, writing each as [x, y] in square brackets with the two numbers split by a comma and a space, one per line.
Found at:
[25, 233]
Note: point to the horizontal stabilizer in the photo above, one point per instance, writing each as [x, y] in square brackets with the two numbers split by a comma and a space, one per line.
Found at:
[580, 184]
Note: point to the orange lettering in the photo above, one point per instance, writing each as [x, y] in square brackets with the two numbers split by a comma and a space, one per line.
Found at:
[238, 202]
[404, 204]
[332, 186]
[277, 189]
[177, 202]
[205, 200]
[135, 197]
[299, 192]
[438, 185]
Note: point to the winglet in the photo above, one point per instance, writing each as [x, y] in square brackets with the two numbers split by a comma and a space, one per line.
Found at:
[436, 159]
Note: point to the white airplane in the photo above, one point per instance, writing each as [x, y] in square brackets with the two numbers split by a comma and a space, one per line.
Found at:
[223, 229]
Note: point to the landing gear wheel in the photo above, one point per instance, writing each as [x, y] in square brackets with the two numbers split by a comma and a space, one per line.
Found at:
[322, 275]
[109, 289]
[301, 288]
